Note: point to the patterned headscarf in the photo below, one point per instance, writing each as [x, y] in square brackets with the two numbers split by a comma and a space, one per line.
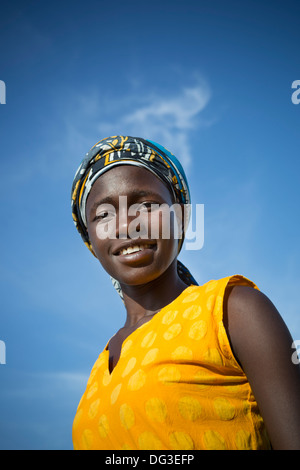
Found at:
[118, 150]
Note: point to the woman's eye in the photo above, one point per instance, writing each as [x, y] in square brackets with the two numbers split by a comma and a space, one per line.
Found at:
[147, 206]
[103, 215]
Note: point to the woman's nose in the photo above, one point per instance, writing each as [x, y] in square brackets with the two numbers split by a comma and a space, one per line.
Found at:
[131, 223]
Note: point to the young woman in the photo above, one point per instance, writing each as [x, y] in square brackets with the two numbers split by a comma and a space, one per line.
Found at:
[193, 367]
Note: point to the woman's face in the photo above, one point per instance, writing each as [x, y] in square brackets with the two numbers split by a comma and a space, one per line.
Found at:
[133, 240]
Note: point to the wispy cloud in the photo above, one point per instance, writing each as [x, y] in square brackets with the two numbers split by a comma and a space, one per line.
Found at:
[166, 119]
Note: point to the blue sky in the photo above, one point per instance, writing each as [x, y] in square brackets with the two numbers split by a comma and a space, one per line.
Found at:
[210, 80]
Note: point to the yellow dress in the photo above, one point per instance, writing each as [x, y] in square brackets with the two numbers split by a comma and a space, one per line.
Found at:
[177, 385]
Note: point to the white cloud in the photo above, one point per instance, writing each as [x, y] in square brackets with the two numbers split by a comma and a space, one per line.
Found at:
[165, 119]
[168, 118]
[175, 112]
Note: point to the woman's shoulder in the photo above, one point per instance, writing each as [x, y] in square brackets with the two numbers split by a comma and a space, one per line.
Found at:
[220, 285]
[253, 323]
[247, 314]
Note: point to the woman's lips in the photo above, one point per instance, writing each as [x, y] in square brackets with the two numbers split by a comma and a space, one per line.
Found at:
[135, 254]
[135, 249]
[132, 247]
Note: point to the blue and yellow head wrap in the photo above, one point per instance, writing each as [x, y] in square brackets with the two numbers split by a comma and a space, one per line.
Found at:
[118, 150]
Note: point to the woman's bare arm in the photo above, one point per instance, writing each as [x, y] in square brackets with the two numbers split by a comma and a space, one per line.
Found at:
[262, 344]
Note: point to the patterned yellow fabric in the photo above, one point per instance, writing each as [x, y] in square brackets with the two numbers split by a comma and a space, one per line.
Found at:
[177, 385]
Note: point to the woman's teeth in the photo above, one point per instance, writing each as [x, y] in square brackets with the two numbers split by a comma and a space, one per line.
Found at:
[133, 249]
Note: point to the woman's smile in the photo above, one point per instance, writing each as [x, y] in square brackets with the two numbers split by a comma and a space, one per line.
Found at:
[136, 253]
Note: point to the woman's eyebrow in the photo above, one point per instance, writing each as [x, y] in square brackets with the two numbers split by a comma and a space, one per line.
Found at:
[104, 200]
[144, 193]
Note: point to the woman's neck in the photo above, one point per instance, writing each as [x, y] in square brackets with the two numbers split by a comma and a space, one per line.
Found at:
[147, 299]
